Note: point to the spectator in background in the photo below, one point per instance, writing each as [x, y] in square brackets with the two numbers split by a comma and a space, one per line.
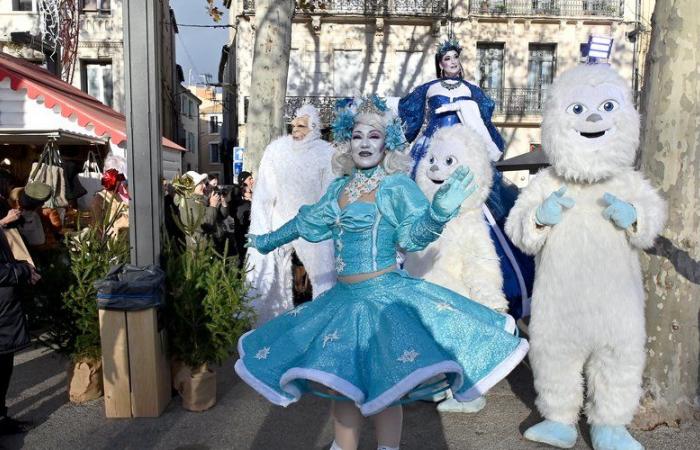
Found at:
[110, 206]
[200, 211]
[242, 212]
[14, 335]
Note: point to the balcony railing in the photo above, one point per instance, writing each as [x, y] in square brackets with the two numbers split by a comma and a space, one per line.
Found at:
[372, 7]
[324, 104]
[509, 101]
[517, 101]
[566, 8]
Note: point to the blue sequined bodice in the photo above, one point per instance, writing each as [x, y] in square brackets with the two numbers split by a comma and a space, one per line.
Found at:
[363, 240]
[366, 235]
[446, 119]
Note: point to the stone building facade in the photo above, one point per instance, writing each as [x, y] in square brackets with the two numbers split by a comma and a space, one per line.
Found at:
[511, 48]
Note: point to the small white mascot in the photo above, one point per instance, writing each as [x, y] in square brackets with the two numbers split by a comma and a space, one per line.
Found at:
[464, 259]
[294, 171]
[585, 218]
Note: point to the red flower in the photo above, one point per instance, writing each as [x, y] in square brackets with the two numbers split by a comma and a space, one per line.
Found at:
[111, 179]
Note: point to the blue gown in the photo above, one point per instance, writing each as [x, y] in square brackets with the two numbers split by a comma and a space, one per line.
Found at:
[518, 269]
[375, 341]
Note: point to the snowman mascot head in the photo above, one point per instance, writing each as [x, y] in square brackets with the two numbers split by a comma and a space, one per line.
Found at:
[590, 127]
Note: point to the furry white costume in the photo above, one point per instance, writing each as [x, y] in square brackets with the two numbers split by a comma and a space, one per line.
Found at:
[464, 259]
[291, 174]
[588, 299]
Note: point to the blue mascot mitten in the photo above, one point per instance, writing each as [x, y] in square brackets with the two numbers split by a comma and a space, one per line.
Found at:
[549, 212]
[621, 213]
[458, 187]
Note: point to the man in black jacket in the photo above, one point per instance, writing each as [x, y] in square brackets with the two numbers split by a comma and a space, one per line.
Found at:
[14, 335]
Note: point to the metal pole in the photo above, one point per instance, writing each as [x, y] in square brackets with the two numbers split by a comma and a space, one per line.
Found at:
[142, 36]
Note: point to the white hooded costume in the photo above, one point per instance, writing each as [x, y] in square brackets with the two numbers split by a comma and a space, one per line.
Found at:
[464, 259]
[588, 300]
[291, 174]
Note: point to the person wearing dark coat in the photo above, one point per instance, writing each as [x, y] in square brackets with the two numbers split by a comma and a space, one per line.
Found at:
[14, 335]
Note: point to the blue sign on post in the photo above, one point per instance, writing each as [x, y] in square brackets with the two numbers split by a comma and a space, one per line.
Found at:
[237, 161]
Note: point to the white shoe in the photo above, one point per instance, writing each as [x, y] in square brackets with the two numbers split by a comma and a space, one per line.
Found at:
[453, 406]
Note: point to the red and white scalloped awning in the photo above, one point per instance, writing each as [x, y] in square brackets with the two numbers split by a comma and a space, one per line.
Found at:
[71, 101]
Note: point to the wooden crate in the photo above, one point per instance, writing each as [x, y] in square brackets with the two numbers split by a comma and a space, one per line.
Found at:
[136, 369]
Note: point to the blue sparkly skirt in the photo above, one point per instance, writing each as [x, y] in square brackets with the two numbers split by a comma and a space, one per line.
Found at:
[376, 341]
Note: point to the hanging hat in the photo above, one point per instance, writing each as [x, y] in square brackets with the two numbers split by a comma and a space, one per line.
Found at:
[196, 177]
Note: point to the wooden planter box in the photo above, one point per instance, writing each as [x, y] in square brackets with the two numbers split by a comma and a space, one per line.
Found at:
[136, 370]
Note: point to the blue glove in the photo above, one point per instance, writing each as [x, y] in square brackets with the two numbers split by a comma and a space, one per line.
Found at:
[549, 212]
[452, 193]
[619, 212]
[251, 241]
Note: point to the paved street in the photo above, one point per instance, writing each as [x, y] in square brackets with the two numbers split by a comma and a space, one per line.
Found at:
[244, 420]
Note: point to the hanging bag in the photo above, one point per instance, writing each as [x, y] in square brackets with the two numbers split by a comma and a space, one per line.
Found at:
[91, 179]
[49, 171]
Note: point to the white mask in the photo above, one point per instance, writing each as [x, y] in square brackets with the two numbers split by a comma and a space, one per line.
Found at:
[367, 146]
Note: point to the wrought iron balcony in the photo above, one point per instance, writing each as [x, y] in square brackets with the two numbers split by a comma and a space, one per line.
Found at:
[324, 104]
[517, 101]
[371, 7]
[565, 8]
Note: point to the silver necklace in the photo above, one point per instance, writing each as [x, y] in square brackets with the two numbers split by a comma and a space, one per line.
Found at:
[449, 86]
[361, 184]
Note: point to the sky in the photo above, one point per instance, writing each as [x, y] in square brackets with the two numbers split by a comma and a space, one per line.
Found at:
[198, 50]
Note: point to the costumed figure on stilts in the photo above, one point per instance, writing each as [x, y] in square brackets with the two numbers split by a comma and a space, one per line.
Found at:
[379, 333]
[295, 170]
[451, 100]
[585, 218]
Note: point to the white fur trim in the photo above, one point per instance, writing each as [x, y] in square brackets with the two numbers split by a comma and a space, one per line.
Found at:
[500, 372]
[415, 378]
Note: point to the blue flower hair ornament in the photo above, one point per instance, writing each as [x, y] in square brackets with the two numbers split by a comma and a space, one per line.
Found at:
[446, 46]
[344, 121]
[395, 138]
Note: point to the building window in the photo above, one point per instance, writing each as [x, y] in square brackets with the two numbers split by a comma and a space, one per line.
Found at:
[214, 156]
[541, 65]
[96, 77]
[190, 105]
[213, 124]
[22, 5]
[102, 6]
[190, 141]
[490, 70]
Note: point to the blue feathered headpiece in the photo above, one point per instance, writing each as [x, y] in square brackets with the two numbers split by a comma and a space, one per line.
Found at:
[347, 109]
[446, 46]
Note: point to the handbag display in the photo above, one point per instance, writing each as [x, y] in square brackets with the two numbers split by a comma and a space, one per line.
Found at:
[91, 179]
[49, 170]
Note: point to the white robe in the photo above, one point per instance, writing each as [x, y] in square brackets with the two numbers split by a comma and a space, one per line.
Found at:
[291, 174]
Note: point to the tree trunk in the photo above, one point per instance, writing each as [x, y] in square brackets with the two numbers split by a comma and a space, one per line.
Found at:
[273, 40]
[670, 156]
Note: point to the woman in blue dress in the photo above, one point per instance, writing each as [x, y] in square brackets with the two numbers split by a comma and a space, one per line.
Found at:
[450, 100]
[378, 334]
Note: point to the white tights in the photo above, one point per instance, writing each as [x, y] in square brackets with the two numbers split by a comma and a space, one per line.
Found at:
[347, 421]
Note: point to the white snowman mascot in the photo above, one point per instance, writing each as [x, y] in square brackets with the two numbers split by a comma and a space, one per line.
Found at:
[585, 218]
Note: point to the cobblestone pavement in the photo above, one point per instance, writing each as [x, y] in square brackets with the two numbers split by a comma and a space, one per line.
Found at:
[244, 420]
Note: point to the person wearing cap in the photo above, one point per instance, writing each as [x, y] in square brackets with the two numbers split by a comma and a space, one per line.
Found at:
[198, 208]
